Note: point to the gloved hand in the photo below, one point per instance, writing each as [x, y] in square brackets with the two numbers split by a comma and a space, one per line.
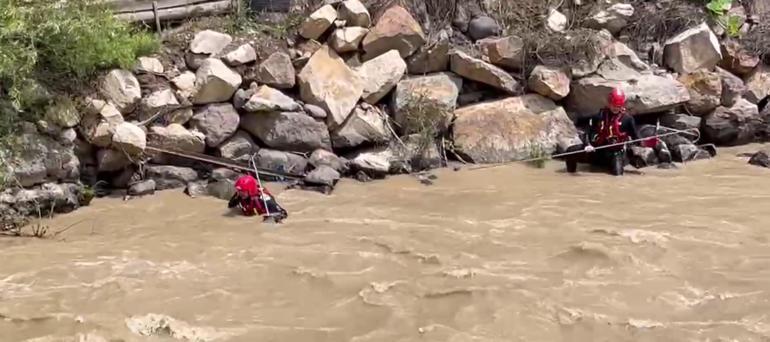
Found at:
[589, 149]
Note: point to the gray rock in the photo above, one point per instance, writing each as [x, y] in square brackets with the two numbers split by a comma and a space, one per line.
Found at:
[267, 99]
[288, 131]
[148, 64]
[440, 89]
[733, 125]
[323, 175]
[197, 188]
[315, 111]
[176, 137]
[240, 147]
[318, 22]
[685, 152]
[42, 200]
[281, 161]
[325, 158]
[142, 188]
[354, 13]
[613, 18]
[215, 82]
[482, 27]
[376, 161]
[222, 174]
[648, 94]
[222, 189]
[129, 138]
[733, 87]
[209, 42]
[99, 122]
[761, 159]
[217, 122]
[681, 121]
[170, 177]
[366, 125]
[109, 160]
[380, 75]
[643, 156]
[758, 84]
[43, 159]
[242, 55]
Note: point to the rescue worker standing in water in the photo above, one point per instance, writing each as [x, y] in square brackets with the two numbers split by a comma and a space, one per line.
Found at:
[611, 126]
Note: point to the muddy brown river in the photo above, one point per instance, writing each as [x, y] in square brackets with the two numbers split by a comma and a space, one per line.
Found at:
[505, 254]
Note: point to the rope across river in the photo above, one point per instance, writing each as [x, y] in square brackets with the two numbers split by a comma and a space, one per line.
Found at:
[672, 132]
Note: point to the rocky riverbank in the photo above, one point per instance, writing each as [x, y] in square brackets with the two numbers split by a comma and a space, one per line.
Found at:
[365, 92]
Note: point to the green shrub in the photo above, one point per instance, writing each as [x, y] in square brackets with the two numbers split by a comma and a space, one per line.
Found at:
[61, 46]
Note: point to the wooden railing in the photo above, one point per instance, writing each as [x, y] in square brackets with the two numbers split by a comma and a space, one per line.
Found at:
[170, 10]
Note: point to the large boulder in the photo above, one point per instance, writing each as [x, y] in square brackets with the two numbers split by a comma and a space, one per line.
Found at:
[600, 44]
[735, 125]
[613, 18]
[281, 161]
[208, 42]
[758, 84]
[99, 122]
[171, 177]
[507, 52]
[549, 82]
[288, 131]
[705, 89]
[430, 58]
[681, 121]
[146, 187]
[326, 81]
[512, 129]
[110, 160]
[381, 74]
[42, 200]
[648, 94]
[482, 27]
[440, 89]
[354, 13]
[318, 22]
[239, 147]
[322, 157]
[122, 89]
[375, 161]
[733, 87]
[323, 175]
[157, 101]
[215, 82]
[42, 159]
[267, 99]
[277, 71]
[242, 55]
[366, 125]
[176, 137]
[395, 29]
[347, 39]
[129, 138]
[477, 70]
[217, 122]
[693, 49]
[148, 65]
[736, 59]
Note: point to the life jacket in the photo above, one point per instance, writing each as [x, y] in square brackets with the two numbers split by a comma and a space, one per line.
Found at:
[609, 128]
[254, 204]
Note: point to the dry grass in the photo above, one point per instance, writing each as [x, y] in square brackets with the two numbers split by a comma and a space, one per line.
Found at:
[757, 41]
[655, 22]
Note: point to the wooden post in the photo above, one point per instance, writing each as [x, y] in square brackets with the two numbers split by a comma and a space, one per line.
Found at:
[157, 18]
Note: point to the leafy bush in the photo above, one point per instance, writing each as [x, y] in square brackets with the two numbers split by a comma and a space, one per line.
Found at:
[61, 46]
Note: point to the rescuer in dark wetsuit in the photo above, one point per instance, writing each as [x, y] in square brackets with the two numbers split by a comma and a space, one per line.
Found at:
[611, 126]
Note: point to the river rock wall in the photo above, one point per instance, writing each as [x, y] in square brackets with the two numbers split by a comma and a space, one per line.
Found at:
[340, 98]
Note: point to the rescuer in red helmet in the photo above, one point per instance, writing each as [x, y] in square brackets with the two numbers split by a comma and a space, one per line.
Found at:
[256, 200]
[611, 129]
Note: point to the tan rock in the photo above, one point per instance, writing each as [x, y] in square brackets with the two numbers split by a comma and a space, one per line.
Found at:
[645, 94]
[326, 81]
[430, 58]
[122, 89]
[549, 82]
[277, 71]
[99, 122]
[696, 48]
[381, 74]
[512, 129]
[705, 89]
[242, 55]
[507, 52]
[318, 22]
[149, 64]
[185, 84]
[758, 84]
[208, 42]
[215, 82]
[395, 29]
[347, 39]
[477, 70]
[366, 125]
[736, 59]
[177, 138]
[441, 90]
[613, 18]
[129, 138]
[267, 99]
[288, 131]
[354, 13]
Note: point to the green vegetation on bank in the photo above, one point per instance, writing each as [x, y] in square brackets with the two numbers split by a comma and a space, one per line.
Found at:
[49, 48]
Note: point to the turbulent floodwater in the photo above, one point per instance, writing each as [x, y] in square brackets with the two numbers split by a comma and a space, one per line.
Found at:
[506, 254]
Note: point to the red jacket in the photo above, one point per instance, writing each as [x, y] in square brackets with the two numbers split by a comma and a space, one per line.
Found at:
[254, 204]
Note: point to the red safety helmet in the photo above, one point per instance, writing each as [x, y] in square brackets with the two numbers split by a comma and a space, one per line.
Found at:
[617, 98]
